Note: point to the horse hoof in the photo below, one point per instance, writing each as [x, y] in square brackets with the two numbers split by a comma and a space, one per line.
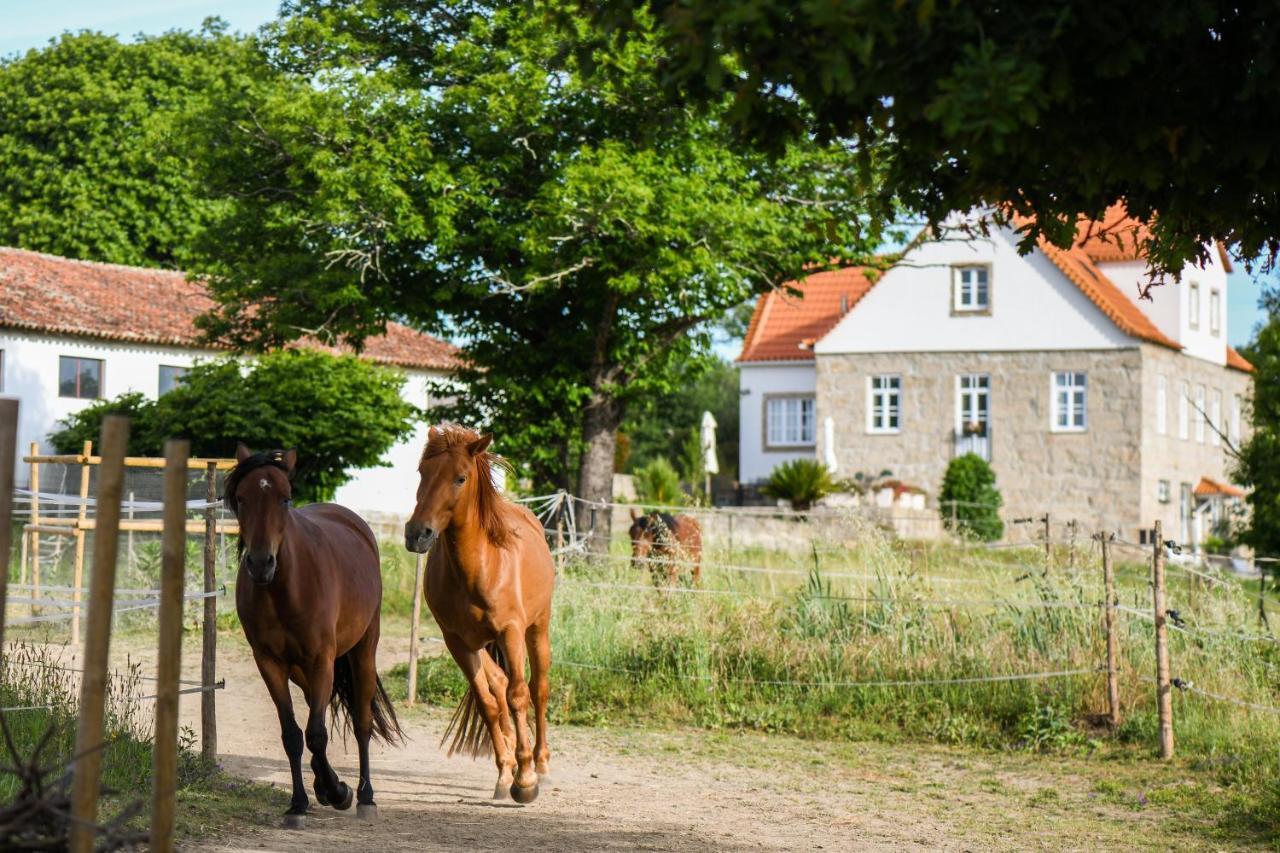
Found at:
[295, 821]
[346, 797]
[500, 790]
[367, 811]
[321, 797]
[524, 796]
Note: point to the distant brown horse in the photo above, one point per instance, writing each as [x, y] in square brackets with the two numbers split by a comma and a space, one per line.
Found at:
[489, 581]
[308, 594]
[667, 544]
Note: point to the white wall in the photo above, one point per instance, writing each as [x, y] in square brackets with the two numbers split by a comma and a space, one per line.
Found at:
[1033, 306]
[1168, 306]
[754, 382]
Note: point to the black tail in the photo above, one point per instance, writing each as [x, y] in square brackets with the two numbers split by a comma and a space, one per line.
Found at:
[470, 734]
[385, 725]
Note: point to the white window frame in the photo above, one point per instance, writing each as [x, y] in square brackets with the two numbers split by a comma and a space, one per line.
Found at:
[1200, 414]
[884, 404]
[1164, 491]
[980, 388]
[1215, 417]
[1077, 383]
[778, 438]
[1193, 305]
[1184, 411]
[1235, 419]
[1215, 312]
[1162, 406]
[965, 294]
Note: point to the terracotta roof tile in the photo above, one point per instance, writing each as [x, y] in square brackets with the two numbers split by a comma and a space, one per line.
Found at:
[53, 295]
[1208, 487]
[784, 326]
[1238, 362]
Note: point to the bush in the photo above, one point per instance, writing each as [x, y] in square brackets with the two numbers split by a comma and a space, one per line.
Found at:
[341, 413]
[658, 483]
[970, 485]
[800, 482]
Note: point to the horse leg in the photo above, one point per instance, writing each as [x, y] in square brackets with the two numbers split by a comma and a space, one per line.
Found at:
[539, 669]
[330, 790]
[275, 675]
[365, 672]
[472, 666]
[525, 787]
[504, 751]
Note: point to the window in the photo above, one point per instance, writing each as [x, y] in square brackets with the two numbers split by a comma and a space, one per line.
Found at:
[1193, 305]
[1069, 404]
[1235, 419]
[971, 290]
[884, 403]
[1215, 313]
[1184, 412]
[1200, 414]
[973, 396]
[789, 421]
[80, 378]
[1215, 418]
[1162, 406]
[170, 376]
[1162, 491]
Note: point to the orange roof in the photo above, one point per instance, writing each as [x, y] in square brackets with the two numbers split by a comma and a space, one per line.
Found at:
[60, 296]
[1238, 362]
[1208, 487]
[785, 326]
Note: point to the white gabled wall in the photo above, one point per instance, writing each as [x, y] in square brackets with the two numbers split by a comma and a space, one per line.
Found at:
[755, 382]
[1033, 306]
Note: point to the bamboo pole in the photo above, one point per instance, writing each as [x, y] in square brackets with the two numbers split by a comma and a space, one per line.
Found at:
[35, 536]
[1164, 695]
[81, 513]
[209, 648]
[93, 687]
[164, 785]
[198, 463]
[194, 527]
[1109, 619]
[419, 567]
[8, 450]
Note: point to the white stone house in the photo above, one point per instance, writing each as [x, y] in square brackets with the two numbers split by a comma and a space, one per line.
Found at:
[72, 332]
[1090, 402]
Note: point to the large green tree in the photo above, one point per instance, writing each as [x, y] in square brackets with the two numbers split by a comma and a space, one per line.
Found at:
[90, 163]
[1258, 458]
[453, 166]
[1055, 109]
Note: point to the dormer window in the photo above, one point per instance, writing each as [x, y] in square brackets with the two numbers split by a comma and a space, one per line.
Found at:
[1193, 305]
[1215, 313]
[971, 290]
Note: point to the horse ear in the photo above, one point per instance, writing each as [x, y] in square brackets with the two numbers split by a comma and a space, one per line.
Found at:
[432, 433]
[290, 459]
[242, 451]
[480, 445]
[635, 516]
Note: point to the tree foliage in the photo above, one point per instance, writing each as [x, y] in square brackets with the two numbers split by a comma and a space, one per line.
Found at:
[90, 165]
[1055, 109]
[659, 426]
[800, 482]
[453, 166]
[969, 485]
[1258, 458]
[340, 413]
[658, 483]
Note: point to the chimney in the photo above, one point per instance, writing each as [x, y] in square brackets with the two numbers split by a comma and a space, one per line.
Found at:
[844, 303]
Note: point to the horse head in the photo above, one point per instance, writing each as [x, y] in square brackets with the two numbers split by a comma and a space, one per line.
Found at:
[258, 491]
[651, 533]
[453, 474]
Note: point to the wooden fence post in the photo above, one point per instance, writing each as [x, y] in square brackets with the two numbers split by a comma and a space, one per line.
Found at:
[35, 521]
[78, 570]
[1048, 542]
[1262, 597]
[209, 649]
[1164, 696]
[93, 686]
[419, 567]
[1109, 619]
[560, 513]
[8, 453]
[164, 781]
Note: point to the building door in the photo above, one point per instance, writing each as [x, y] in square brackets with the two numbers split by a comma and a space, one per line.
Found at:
[1186, 504]
[973, 414]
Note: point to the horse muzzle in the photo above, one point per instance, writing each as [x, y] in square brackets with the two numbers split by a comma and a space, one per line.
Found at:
[419, 538]
[261, 568]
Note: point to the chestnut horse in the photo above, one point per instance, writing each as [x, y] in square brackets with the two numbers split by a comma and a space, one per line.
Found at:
[308, 594]
[663, 541]
[489, 580]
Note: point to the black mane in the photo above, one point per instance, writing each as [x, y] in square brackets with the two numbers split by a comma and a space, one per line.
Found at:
[267, 458]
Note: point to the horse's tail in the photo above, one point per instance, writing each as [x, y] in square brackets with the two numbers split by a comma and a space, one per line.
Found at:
[385, 725]
[467, 727]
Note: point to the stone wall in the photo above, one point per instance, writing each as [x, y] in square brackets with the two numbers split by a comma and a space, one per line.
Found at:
[1092, 477]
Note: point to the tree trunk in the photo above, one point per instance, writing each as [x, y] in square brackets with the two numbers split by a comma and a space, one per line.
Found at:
[595, 474]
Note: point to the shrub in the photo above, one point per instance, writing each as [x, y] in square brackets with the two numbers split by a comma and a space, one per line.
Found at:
[86, 425]
[970, 486]
[801, 482]
[658, 483]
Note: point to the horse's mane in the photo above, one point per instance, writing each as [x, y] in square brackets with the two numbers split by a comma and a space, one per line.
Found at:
[268, 458]
[489, 500]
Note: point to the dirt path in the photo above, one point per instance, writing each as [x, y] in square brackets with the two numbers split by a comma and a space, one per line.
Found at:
[632, 789]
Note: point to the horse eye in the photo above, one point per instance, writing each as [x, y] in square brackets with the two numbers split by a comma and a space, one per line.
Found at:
[286, 502]
[461, 479]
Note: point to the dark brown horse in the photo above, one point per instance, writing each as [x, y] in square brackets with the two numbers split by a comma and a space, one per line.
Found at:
[489, 581]
[666, 544]
[308, 594]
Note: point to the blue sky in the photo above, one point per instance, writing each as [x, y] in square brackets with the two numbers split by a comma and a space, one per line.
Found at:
[31, 23]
